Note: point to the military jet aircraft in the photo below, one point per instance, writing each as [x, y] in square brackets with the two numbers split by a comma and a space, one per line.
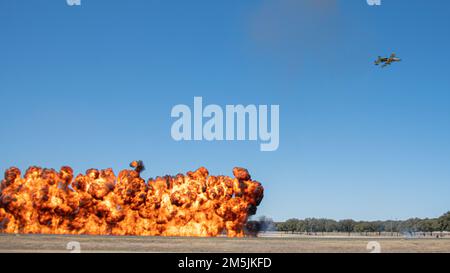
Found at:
[387, 61]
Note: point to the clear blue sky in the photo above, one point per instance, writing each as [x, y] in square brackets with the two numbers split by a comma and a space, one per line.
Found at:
[93, 86]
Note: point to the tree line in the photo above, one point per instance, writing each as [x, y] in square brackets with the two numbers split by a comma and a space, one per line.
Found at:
[322, 225]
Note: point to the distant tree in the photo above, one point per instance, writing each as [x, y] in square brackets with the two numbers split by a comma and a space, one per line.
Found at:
[377, 226]
[362, 227]
[310, 225]
[281, 226]
[321, 225]
[391, 226]
[346, 225]
[315, 225]
[331, 225]
[291, 225]
[300, 226]
[428, 225]
[410, 226]
[444, 222]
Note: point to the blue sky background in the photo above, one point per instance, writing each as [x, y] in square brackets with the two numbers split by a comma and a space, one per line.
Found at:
[93, 86]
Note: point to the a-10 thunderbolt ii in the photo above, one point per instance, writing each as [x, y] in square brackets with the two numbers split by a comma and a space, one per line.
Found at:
[387, 61]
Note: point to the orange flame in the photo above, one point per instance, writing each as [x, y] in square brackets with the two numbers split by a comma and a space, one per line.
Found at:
[99, 203]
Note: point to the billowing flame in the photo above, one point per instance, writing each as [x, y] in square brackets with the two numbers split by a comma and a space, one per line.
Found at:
[195, 204]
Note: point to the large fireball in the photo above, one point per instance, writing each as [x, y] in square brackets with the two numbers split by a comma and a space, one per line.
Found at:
[99, 203]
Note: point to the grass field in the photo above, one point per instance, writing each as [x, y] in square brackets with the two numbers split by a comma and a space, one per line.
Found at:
[59, 243]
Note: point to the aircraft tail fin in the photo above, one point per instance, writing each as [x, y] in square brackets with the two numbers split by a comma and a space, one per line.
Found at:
[378, 61]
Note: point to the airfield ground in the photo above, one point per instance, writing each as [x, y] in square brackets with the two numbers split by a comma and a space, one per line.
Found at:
[59, 243]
